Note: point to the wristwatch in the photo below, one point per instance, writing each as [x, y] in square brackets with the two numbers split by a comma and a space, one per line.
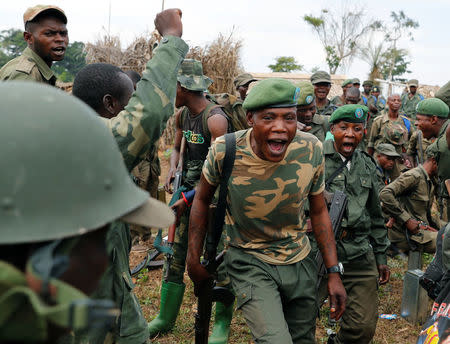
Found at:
[336, 268]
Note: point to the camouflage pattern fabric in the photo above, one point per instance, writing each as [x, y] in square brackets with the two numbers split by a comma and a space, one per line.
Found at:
[136, 130]
[409, 104]
[410, 196]
[385, 130]
[414, 144]
[265, 212]
[28, 67]
[363, 224]
[327, 110]
[337, 101]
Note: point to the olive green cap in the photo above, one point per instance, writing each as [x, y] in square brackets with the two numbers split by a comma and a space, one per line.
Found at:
[353, 113]
[356, 81]
[376, 89]
[190, 76]
[346, 82]
[306, 95]
[413, 82]
[444, 93]
[272, 93]
[243, 79]
[33, 12]
[387, 149]
[320, 76]
[432, 107]
[368, 83]
[64, 175]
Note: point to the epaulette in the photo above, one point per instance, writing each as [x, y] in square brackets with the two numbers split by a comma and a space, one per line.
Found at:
[25, 65]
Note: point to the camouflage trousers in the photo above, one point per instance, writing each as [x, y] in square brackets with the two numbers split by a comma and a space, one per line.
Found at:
[360, 281]
[277, 301]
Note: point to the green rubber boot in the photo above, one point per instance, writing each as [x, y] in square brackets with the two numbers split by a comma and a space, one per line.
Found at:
[222, 322]
[171, 297]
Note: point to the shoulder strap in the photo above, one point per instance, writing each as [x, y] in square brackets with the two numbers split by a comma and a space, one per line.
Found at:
[421, 97]
[335, 173]
[365, 100]
[407, 123]
[228, 163]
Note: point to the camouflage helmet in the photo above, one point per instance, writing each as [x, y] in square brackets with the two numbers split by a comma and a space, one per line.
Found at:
[64, 174]
[395, 133]
[190, 76]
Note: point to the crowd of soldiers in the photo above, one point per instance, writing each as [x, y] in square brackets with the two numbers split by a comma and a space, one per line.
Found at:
[67, 199]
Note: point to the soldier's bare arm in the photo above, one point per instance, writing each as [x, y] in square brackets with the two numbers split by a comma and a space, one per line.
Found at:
[197, 229]
[322, 229]
[218, 126]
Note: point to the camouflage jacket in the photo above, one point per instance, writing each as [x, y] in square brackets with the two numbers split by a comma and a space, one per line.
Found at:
[327, 110]
[265, 212]
[443, 160]
[409, 104]
[363, 224]
[409, 196]
[28, 67]
[136, 129]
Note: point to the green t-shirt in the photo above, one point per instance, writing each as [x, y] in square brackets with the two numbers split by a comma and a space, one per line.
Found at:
[265, 204]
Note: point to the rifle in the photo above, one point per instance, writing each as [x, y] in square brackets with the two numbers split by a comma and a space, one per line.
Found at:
[337, 208]
[207, 292]
[420, 153]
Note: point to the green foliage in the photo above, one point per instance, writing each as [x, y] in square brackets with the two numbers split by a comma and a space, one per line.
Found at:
[12, 44]
[395, 64]
[285, 64]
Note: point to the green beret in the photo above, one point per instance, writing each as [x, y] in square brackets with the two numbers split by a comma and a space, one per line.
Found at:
[346, 82]
[368, 83]
[320, 76]
[444, 93]
[387, 149]
[306, 95]
[356, 81]
[432, 151]
[271, 93]
[354, 113]
[432, 107]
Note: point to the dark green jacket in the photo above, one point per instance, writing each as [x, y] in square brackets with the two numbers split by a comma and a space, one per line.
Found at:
[363, 224]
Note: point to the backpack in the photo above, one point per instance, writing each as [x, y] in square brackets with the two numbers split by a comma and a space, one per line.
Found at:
[232, 106]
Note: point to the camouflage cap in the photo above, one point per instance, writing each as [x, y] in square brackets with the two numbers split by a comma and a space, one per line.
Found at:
[306, 95]
[356, 81]
[432, 107]
[320, 76]
[376, 89]
[190, 76]
[368, 83]
[432, 151]
[413, 82]
[33, 12]
[272, 93]
[387, 149]
[243, 79]
[347, 82]
[353, 113]
[444, 93]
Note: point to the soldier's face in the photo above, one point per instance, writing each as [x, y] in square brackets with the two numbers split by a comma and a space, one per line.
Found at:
[305, 113]
[394, 102]
[425, 124]
[347, 137]
[273, 131]
[322, 89]
[386, 162]
[412, 89]
[367, 89]
[351, 99]
[49, 39]
[243, 91]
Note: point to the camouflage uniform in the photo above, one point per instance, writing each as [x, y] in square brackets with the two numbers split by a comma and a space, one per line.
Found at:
[443, 161]
[320, 126]
[269, 262]
[337, 101]
[363, 243]
[410, 196]
[409, 104]
[414, 145]
[136, 129]
[28, 67]
[327, 110]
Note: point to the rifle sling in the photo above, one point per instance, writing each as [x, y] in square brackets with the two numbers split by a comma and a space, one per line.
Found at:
[228, 163]
[335, 173]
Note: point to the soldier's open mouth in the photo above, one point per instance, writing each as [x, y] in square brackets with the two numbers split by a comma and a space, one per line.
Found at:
[276, 145]
[59, 50]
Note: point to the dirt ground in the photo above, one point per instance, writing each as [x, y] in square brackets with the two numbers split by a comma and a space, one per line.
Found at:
[148, 284]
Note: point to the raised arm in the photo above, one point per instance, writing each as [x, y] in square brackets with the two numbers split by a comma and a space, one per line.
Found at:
[143, 120]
